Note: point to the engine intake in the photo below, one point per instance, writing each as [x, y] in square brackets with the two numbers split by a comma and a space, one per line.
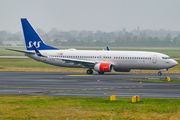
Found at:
[103, 67]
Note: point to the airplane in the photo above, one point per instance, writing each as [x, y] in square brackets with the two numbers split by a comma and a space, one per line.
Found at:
[101, 61]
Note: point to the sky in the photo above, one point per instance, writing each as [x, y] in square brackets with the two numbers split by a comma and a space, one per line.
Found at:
[104, 15]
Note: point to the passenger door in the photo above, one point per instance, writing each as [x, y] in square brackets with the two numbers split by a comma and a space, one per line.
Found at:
[154, 60]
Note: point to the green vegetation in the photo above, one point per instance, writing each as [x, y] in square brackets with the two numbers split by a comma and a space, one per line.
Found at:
[71, 108]
[172, 52]
[30, 65]
[154, 80]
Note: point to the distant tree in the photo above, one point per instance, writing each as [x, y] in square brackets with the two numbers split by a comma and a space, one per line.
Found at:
[176, 41]
[167, 39]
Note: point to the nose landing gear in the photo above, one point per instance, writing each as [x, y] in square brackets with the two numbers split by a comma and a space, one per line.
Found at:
[159, 73]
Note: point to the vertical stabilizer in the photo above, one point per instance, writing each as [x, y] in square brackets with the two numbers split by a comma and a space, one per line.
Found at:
[32, 38]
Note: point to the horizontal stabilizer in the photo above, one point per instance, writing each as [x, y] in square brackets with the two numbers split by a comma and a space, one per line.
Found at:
[20, 51]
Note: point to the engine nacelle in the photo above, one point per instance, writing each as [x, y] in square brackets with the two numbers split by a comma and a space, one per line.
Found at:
[122, 70]
[103, 67]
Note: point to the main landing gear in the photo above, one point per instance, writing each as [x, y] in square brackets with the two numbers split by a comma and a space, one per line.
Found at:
[89, 71]
[159, 73]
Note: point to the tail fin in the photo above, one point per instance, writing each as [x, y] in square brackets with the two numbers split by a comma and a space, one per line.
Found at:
[32, 38]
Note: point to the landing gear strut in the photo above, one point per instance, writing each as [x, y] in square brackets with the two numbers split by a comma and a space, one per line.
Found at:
[159, 73]
[89, 71]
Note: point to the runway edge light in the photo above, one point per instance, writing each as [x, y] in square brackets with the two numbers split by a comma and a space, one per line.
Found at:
[112, 97]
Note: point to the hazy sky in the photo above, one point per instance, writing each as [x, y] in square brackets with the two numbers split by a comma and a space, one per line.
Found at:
[105, 15]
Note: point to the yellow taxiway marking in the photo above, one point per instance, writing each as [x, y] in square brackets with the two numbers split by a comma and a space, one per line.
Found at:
[126, 86]
[148, 89]
[76, 90]
[91, 89]
[61, 91]
[79, 75]
[45, 92]
[105, 88]
[98, 88]
[112, 88]
[119, 87]
[69, 90]
[53, 91]
[140, 86]
[84, 89]
[133, 86]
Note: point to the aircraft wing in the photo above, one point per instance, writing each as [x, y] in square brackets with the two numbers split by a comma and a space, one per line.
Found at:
[20, 51]
[84, 63]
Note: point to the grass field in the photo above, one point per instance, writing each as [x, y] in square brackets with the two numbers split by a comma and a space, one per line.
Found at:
[30, 65]
[87, 108]
[172, 52]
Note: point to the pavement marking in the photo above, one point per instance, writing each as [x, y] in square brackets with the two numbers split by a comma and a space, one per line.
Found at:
[61, 91]
[91, 89]
[68, 90]
[148, 89]
[79, 75]
[105, 88]
[112, 87]
[98, 88]
[35, 87]
[74, 89]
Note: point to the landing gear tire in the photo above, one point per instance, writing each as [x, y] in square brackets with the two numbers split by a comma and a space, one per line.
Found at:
[101, 73]
[159, 73]
[89, 71]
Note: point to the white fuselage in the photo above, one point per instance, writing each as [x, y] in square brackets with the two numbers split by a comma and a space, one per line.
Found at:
[119, 59]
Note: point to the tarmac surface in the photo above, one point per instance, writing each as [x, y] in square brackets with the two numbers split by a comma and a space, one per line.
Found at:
[81, 84]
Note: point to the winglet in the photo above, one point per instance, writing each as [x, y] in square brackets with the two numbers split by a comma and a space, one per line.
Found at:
[108, 48]
[37, 52]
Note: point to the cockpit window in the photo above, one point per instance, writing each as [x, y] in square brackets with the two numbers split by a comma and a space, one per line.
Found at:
[166, 58]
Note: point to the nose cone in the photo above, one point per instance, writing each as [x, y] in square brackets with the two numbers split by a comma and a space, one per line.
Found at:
[174, 63]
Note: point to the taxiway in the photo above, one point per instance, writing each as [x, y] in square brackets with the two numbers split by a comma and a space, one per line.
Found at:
[80, 84]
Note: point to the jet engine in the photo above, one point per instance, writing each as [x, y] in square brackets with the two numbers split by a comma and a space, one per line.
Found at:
[122, 70]
[103, 67]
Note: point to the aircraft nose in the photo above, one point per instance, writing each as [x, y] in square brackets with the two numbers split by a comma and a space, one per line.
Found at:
[174, 63]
